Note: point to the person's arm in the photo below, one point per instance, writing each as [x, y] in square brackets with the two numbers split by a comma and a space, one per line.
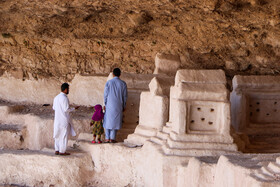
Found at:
[124, 96]
[106, 90]
[65, 105]
[54, 104]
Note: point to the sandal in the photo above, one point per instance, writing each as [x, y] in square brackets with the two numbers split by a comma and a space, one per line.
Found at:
[113, 141]
[64, 154]
[107, 141]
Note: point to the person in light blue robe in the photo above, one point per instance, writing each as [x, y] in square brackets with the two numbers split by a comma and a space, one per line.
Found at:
[115, 95]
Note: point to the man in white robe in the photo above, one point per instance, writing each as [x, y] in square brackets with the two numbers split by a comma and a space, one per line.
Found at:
[62, 123]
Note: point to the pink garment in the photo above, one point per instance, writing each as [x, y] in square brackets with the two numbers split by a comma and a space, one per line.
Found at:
[98, 114]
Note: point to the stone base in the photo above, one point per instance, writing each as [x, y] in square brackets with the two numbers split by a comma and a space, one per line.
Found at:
[201, 138]
[192, 152]
[141, 134]
[195, 144]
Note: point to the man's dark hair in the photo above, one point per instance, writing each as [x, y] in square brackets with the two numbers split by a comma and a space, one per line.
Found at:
[64, 86]
[117, 72]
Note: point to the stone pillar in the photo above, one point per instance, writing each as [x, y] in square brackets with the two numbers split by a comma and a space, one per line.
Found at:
[153, 110]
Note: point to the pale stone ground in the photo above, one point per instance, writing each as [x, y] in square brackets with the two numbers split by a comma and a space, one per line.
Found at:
[116, 164]
[27, 155]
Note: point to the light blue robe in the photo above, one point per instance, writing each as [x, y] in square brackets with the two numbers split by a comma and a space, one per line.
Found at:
[115, 95]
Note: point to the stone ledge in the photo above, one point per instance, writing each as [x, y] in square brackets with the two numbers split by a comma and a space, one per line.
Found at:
[33, 168]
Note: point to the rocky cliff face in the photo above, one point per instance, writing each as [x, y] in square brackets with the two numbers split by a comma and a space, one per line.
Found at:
[60, 38]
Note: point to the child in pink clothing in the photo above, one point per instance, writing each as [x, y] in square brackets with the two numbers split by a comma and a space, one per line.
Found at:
[97, 123]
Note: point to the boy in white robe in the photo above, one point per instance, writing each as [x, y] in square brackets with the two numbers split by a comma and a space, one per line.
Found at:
[62, 123]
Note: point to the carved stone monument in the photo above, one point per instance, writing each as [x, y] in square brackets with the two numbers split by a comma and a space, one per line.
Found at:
[199, 115]
[255, 106]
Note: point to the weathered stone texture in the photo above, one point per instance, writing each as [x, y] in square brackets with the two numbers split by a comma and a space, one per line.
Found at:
[62, 38]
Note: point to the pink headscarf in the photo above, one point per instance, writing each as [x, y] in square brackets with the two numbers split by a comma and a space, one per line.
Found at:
[98, 114]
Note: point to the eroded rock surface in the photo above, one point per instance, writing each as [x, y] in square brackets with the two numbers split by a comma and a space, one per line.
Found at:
[61, 38]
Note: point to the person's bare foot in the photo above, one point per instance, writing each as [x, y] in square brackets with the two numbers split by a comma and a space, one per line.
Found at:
[107, 141]
[64, 154]
[56, 153]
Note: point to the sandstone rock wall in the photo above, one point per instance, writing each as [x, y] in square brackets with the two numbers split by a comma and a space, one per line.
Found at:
[62, 38]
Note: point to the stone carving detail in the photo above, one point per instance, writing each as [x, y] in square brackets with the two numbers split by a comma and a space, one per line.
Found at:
[202, 118]
[261, 110]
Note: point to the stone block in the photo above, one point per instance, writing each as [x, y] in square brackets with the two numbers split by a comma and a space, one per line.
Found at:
[161, 85]
[244, 83]
[167, 64]
[153, 110]
[200, 76]
[189, 91]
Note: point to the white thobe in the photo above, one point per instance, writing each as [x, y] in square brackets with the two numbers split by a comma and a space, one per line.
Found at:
[62, 122]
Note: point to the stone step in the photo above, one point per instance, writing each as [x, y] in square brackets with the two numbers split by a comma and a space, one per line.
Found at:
[162, 135]
[274, 167]
[43, 168]
[195, 152]
[12, 136]
[136, 139]
[166, 129]
[146, 131]
[261, 176]
[157, 140]
[266, 170]
[201, 145]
